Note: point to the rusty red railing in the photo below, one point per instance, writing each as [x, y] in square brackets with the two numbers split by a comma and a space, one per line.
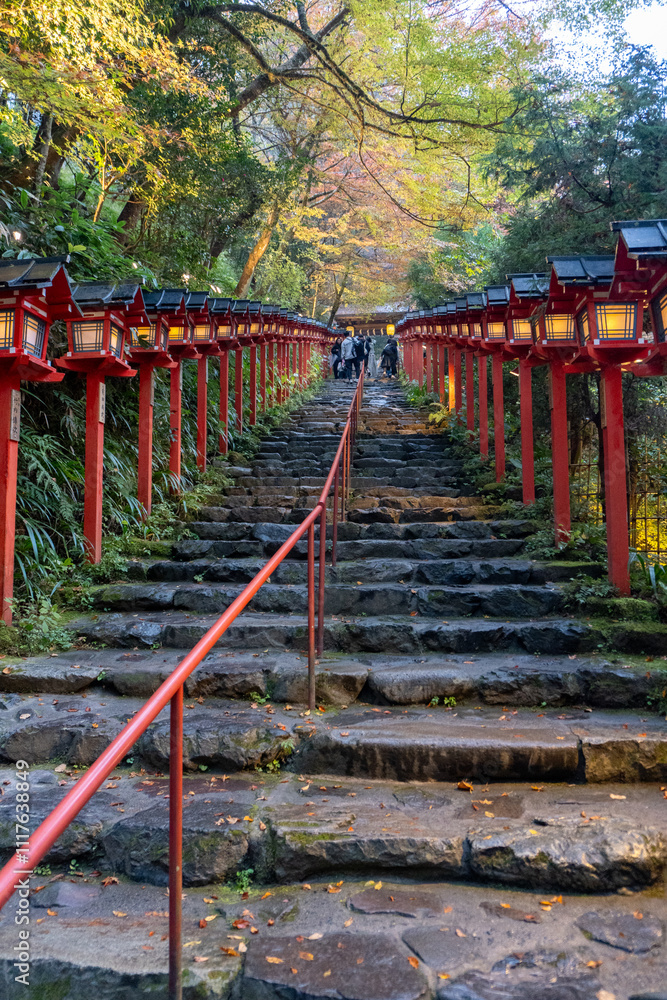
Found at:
[171, 691]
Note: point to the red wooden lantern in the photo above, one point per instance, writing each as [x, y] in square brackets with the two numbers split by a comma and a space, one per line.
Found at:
[220, 311]
[494, 333]
[33, 293]
[203, 339]
[527, 291]
[97, 349]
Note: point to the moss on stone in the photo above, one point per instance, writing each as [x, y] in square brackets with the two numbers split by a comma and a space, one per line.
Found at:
[629, 609]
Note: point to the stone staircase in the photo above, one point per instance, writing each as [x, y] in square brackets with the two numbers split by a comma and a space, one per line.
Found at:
[476, 812]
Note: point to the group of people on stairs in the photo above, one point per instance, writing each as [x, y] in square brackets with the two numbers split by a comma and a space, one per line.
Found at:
[354, 351]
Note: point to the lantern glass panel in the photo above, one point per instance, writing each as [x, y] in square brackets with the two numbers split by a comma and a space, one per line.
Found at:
[34, 331]
[225, 330]
[583, 326]
[617, 320]
[201, 332]
[6, 329]
[87, 336]
[476, 330]
[144, 336]
[254, 327]
[559, 326]
[177, 334]
[522, 330]
[496, 331]
[438, 329]
[115, 339]
[660, 316]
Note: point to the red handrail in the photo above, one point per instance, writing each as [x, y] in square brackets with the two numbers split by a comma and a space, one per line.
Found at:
[171, 691]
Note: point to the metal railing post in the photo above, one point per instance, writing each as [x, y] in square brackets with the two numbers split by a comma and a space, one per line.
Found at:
[322, 572]
[311, 617]
[176, 845]
[334, 532]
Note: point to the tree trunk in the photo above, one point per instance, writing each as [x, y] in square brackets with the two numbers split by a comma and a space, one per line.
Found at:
[24, 174]
[257, 252]
[131, 215]
[45, 131]
[338, 296]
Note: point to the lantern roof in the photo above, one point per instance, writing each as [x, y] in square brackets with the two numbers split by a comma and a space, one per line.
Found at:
[643, 238]
[126, 297]
[597, 270]
[451, 308]
[45, 277]
[196, 301]
[166, 300]
[476, 300]
[497, 295]
[440, 310]
[527, 285]
[255, 308]
[29, 272]
[218, 306]
[240, 305]
[461, 303]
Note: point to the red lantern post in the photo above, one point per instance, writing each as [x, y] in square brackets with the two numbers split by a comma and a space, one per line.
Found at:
[494, 331]
[203, 338]
[97, 349]
[527, 291]
[220, 311]
[33, 293]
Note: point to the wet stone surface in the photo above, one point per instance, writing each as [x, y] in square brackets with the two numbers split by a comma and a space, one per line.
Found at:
[635, 932]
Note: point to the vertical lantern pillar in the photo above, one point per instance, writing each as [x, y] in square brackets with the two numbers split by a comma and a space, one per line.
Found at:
[224, 402]
[458, 380]
[92, 502]
[253, 385]
[429, 371]
[436, 372]
[263, 348]
[238, 388]
[441, 370]
[145, 457]
[527, 457]
[202, 411]
[483, 406]
[280, 368]
[498, 417]
[270, 371]
[560, 451]
[10, 416]
[175, 395]
[420, 362]
[470, 391]
[451, 358]
[616, 505]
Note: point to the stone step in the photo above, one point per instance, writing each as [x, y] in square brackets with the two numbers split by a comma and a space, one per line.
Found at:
[390, 940]
[483, 599]
[451, 572]
[385, 634]
[269, 530]
[330, 826]
[490, 678]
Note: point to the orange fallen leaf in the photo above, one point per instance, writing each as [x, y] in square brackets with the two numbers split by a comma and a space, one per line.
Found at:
[465, 786]
[414, 962]
[637, 915]
[54, 913]
[447, 909]
[443, 975]
[201, 958]
[306, 956]
[229, 951]
[116, 913]
[348, 922]
[594, 964]
[273, 960]
[459, 933]
[266, 894]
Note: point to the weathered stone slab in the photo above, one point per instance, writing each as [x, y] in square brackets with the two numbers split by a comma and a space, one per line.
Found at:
[635, 933]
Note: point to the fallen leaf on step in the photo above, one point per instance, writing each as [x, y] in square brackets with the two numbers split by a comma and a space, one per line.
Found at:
[465, 786]
[414, 962]
[116, 913]
[618, 797]
[594, 964]
[306, 956]
[314, 937]
[637, 915]
[459, 933]
[348, 922]
[273, 960]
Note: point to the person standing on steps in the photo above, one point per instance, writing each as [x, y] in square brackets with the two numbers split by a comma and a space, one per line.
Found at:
[390, 358]
[359, 354]
[335, 357]
[371, 361]
[348, 354]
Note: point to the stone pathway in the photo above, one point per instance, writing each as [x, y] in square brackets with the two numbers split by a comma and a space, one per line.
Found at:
[476, 813]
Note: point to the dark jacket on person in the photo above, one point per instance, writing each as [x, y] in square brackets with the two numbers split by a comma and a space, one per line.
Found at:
[390, 350]
[359, 347]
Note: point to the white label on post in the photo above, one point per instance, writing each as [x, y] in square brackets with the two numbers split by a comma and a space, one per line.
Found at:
[15, 416]
[206, 370]
[103, 403]
[180, 370]
[152, 388]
